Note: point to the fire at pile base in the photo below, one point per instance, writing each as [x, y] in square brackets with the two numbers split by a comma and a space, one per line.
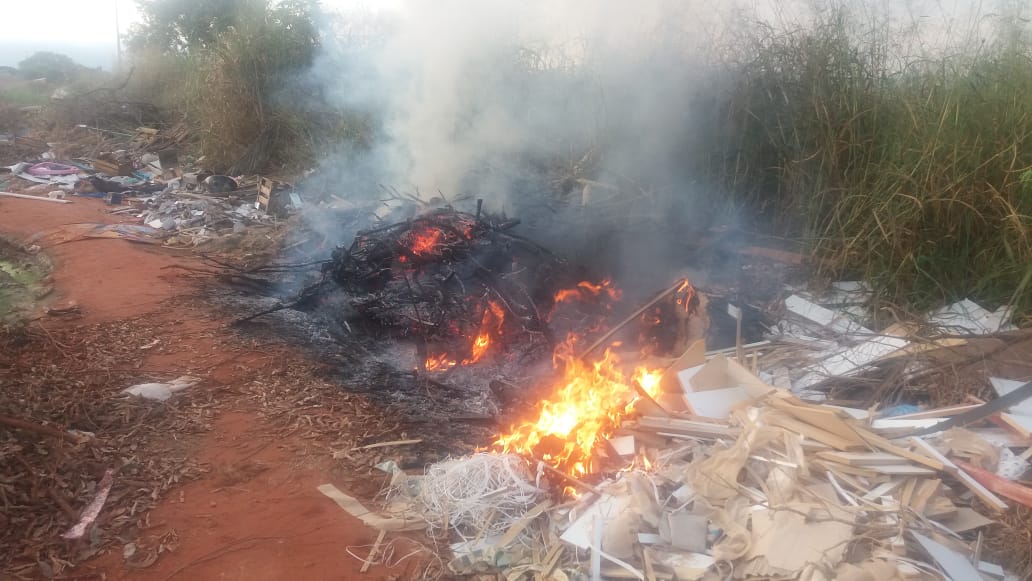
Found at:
[781, 489]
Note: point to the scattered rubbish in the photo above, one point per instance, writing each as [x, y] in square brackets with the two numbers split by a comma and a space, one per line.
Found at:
[49, 168]
[161, 391]
[966, 316]
[217, 184]
[92, 510]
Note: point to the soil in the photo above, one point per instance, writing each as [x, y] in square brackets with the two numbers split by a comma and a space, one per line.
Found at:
[255, 514]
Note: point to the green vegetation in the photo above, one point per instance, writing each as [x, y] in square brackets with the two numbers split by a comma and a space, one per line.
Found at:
[233, 69]
[915, 173]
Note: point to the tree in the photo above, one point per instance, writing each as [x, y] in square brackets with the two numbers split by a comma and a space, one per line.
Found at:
[192, 26]
[54, 67]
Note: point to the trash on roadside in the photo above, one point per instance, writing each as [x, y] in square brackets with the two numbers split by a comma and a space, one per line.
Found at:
[161, 391]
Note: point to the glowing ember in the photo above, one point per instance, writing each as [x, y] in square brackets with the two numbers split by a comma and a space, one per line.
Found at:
[586, 407]
[425, 242]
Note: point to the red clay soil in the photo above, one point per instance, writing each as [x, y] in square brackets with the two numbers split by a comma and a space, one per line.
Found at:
[256, 514]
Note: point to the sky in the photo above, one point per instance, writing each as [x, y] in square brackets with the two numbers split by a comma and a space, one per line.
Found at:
[84, 31]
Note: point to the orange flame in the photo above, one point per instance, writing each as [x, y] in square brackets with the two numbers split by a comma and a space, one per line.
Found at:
[586, 407]
[439, 363]
[585, 289]
[685, 293]
[425, 242]
[490, 324]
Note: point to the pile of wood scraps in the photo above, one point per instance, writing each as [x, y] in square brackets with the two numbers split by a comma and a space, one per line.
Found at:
[723, 476]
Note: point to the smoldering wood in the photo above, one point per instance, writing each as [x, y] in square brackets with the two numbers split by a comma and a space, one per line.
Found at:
[433, 275]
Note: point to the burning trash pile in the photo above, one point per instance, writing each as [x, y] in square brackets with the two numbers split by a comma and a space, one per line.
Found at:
[688, 466]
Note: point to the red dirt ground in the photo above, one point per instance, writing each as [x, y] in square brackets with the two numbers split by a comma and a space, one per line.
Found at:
[257, 514]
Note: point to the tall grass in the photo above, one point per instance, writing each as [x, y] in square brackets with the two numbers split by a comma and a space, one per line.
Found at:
[913, 172]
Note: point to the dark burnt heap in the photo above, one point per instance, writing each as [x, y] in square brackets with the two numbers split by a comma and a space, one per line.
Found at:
[445, 275]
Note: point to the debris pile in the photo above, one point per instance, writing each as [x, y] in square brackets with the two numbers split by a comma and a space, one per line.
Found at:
[183, 209]
[836, 343]
[719, 475]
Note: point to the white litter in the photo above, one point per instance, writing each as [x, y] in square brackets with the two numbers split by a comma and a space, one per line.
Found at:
[161, 391]
[478, 496]
[968, 316]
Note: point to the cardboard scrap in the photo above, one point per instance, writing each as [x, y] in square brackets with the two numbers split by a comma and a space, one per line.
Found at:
[802, 535]
[353, 507]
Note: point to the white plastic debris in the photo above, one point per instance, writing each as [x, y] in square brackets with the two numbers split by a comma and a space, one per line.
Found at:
[969, 316]
[161, 391]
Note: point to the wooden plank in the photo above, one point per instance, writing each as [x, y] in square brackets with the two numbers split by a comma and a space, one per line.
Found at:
[944, 412]
[900, 469]
[815, 433]
[1020, 423]
[372, 552]
[907, 492]
[883, 489]
[827, 419]
[923, 493]
[863, 458]
[518, 527]
[883, 444]
[690, 427]
[846, 469]
[355, 509]
[981, 491]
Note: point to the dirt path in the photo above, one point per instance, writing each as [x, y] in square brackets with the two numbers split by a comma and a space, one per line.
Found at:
[256, 514]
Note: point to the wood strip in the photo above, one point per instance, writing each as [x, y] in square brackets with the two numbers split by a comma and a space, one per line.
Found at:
[689, 427]
[937, 413]
[815, 433]
[863, 458]
[518, 527]
[880, 442]
[883, 489]
[372, 552]
[982, 492]
[900, 470]
[827, 419]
